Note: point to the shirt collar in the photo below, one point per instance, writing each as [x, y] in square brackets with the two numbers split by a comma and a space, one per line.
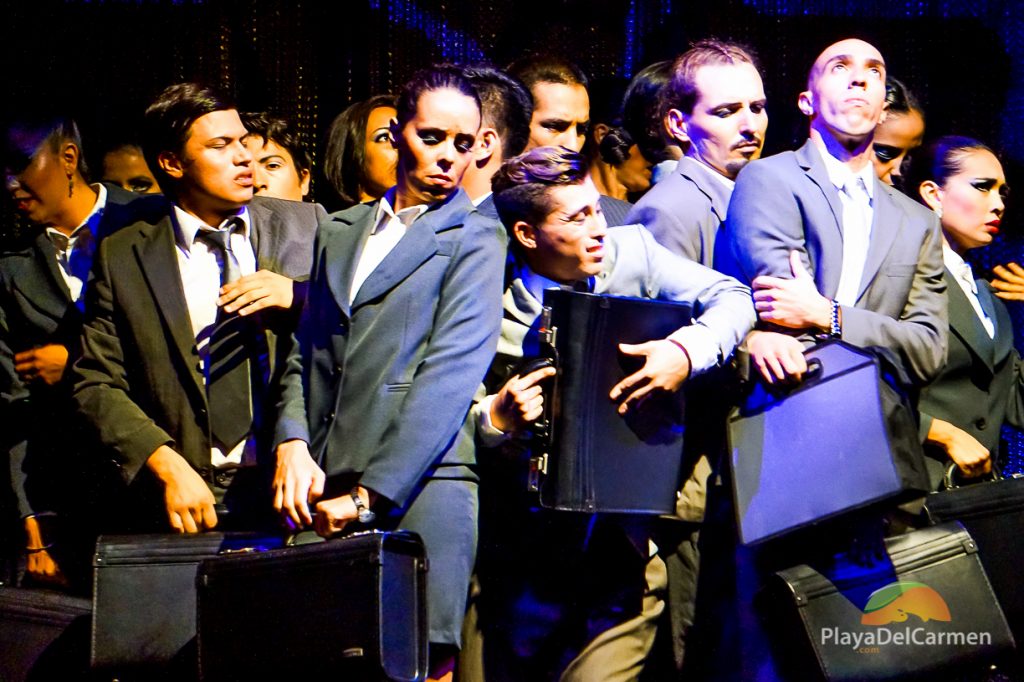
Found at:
[481, 199]
[186, 226]
[63, 242]
[728, 183]
[534, 283]
[839, 173]
[407, 215]
[953, 261]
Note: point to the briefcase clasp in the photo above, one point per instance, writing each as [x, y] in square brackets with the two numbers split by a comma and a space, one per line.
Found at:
[538, 467]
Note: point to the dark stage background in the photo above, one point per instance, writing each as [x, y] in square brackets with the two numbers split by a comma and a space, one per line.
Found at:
[307, 59]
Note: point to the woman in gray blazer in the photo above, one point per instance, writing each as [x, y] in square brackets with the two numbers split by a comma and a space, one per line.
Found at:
[981, 385]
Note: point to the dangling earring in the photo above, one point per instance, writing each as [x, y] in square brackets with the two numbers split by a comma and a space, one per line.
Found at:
[938, 211]
[71, 185]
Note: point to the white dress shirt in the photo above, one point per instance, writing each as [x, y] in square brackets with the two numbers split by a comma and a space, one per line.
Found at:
[964, 276]
[200, 272]
[75, 252]
[389, 228]
[856, 194]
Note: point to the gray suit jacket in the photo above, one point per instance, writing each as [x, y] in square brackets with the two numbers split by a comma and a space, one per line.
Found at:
[980, 387]
[685, 210]
[383, 384]
[787, 202]
[138, 382]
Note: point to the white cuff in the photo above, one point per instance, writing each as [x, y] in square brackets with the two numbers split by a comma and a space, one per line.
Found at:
[490, 436]
[700, 344]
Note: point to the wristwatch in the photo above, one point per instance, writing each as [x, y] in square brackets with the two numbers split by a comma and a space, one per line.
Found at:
[364, 513]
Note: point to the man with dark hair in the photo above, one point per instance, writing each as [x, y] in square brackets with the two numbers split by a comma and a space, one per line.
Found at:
[42, 288]
[540, 616]
[175, 364]
[281, 165]
[714, 108]
[641, 117]
[505, 111]
[561, 112]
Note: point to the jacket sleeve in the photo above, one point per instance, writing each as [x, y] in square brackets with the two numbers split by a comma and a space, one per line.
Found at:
[101, 389]
[461, 347]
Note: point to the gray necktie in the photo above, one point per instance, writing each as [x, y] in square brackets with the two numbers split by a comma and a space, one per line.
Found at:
[228, 386]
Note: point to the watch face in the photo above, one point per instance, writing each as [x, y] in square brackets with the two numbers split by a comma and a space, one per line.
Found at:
[366, 516]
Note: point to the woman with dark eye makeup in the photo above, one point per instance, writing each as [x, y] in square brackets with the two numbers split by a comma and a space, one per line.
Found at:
[359, 162]
[402, 319]
[982, 384]
[900, 132]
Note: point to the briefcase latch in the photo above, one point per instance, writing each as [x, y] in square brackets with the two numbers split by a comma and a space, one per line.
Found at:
[538, 467]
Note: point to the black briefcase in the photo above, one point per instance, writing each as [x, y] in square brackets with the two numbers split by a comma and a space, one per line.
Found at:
[44, 635]
[993, 513]
[844, 438]
[924, 611]
[591, 459]
[351, 608]
[144, 596]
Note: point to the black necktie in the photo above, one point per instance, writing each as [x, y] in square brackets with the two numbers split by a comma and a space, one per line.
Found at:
[228, 383]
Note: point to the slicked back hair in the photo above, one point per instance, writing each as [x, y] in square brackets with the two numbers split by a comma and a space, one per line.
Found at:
[546, 68]
[167, 123]
[522, 183]
[681, 91]
[439, 77]
[939, 161]
[25, 136]
[505, 105]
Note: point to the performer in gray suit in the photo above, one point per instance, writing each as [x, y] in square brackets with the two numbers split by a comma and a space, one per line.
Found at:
[150, 381]
[400, 325]
[567, 596]
[714, 107]
[827, 247]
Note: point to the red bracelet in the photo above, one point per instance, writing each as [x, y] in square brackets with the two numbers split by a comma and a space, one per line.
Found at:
[685, 352]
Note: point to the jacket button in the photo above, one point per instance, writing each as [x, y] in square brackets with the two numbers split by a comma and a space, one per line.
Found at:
[329, 417]
[199, 367]
[981, 423]
[202, 411]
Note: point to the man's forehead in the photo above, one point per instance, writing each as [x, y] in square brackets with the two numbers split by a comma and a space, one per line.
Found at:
[225, 122]
[851, 48]
[728, 82]
[573, 198]
[561, 97]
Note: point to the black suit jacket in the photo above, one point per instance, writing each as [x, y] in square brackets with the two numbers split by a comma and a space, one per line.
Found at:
[139, 382]
[41, 435]
[980, 386]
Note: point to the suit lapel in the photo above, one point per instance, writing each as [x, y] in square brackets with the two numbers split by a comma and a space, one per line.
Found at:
[46, 256]
[342, 248]
[1002, 343]
[158, 262]
[417, 246]
[713, 188]
[826, 274]
[964, 322]
[886, 225]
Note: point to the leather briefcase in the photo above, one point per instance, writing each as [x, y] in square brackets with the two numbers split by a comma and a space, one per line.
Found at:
[844, 438]
[591, 459]
[351, 608]
[144, 597]
[992, 512]
[44, 635]
[925, 610]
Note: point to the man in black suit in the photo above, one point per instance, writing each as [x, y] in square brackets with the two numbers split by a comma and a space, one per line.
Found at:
[41, 293]
[175, 356]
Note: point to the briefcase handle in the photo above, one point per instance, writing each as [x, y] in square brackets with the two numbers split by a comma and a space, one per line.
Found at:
[952, 479]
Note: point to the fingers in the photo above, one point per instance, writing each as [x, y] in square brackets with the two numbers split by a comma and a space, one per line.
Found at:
[635, 398]
[796, 265]
[188, 523]
[208, 516]
[316, 488]
[535, 377]
[1017, 270]
[770, 367]
[766, 282]
[619, 389]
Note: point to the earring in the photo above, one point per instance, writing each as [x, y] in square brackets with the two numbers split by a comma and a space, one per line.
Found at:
[71, 186]
[938, 211]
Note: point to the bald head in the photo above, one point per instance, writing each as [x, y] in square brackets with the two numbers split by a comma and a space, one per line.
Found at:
[845, 93]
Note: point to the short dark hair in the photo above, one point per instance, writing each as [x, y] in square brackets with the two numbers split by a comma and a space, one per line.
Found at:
[438, 77]
[26, 134]
[546, 68]
[521, 184]
[939, 161]
[344, 161]
[167, 123]
[681, 91]
[641, 109]
[505, 105]
[899, 99]
[278, 130]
